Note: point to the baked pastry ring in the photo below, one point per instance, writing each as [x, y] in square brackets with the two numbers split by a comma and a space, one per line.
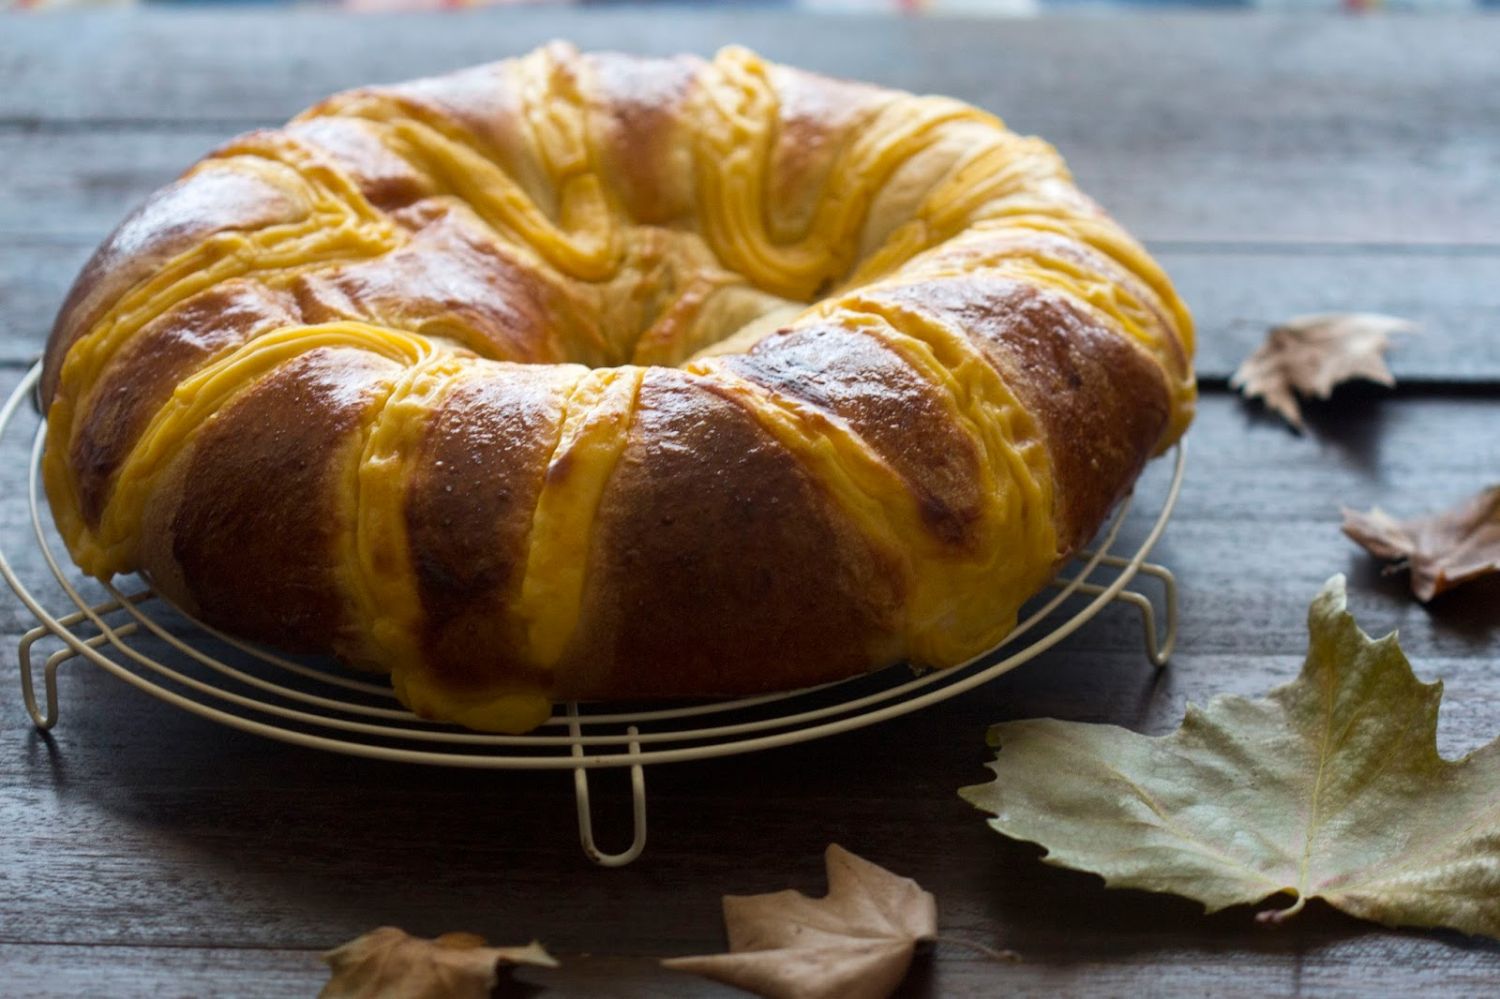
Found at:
[596, 377]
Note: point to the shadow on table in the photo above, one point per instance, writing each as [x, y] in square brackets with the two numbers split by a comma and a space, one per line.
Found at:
[1351, 424]
[1470, 612]
[1045, 908]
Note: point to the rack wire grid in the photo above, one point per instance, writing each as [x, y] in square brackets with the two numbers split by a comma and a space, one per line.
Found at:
[136, 635]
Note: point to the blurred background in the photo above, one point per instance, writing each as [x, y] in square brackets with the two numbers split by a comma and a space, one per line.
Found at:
[997, 8]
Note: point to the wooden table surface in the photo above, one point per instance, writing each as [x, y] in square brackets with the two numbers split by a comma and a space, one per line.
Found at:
[1275, 166]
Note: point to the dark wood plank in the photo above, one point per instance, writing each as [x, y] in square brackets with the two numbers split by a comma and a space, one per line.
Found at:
[1077, 75]
[165, 972]
[1236, 293]
[82, 184]
[1244, 129]
[1187, 190]
[77, 187]
[1248, 478]
[34, 277]
[1140, 968]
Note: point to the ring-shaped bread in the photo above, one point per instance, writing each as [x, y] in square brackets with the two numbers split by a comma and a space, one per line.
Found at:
[596, 377]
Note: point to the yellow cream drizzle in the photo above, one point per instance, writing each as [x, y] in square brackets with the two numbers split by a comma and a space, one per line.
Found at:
[1009, 162]
[1107, 300]
[1106, 237]
[960, 601]
[737, 126]
[384, 587]
[508, 711]
[595, 422]
[340, 225]
[383, 582]
[584, 244]
[109, 548]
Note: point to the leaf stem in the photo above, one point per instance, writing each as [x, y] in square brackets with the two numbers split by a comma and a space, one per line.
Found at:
[1002, 956]
[1275, 917]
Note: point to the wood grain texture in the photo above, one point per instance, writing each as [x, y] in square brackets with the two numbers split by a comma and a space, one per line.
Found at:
[1246, 128]
[1277, 166]
[155, 65]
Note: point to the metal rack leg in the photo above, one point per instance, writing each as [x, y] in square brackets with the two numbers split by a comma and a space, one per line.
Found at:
[45, 720]
[585, 815]
[1159, 645]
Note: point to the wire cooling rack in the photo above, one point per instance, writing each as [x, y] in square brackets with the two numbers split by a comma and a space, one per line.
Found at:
[136, 635]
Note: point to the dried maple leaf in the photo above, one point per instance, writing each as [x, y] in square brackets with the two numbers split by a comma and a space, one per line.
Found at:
[391, 964]
[1442, 550]
[1311, 354]
[855, 943]
[1331, 787]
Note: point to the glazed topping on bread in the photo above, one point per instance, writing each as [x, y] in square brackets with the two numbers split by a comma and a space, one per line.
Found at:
[587, 376]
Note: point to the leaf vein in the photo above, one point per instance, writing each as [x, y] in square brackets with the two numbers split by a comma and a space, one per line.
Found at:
[1204, 847]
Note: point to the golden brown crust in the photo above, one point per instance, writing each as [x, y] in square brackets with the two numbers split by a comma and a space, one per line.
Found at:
[692, 585]
[486, 104]
[1101, 402]
[852, 376]
[473, 487]
[449, 280]
[251, 531]
[818, 117]
[204, 202]
[791, 511]
[970, 254]
[644, 145]
[148, 369]
[390, 182]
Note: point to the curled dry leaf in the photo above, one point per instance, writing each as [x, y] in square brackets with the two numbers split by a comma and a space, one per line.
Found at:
[1442, 550]
[1331, 787]
[1311, 354]
[855, 943]
[389, 963]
